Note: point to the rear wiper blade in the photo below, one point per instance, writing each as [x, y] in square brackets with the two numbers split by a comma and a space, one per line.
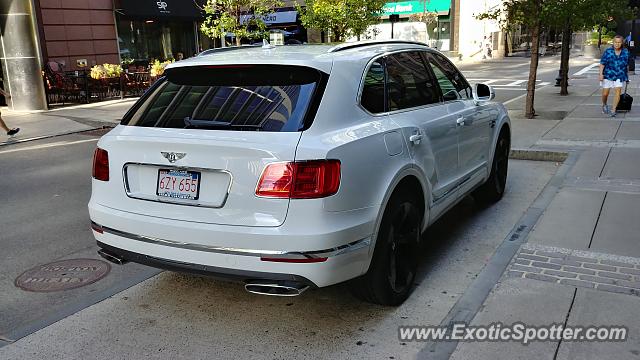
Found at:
[214, 124]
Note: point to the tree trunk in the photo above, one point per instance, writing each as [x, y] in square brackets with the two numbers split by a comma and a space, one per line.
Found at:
[564, 58]
[238, 41]
[599, 37]
[533, 69]
[507, 51]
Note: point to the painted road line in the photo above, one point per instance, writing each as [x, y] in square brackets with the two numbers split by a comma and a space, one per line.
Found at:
[586, 69]
[46, 146]
[514, 99]
[516, 83]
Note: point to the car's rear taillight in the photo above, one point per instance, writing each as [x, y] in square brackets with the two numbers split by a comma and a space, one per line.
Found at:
[101, 165]
[300, 180]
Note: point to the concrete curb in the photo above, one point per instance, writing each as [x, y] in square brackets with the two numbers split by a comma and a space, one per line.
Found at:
[538, 155]
[53, 135]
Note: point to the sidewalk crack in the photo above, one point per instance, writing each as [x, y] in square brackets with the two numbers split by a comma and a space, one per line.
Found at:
[598, 219]
[604, 165]
[566, 320]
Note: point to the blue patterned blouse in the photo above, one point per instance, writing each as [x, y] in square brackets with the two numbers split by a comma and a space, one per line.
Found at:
[615, 66]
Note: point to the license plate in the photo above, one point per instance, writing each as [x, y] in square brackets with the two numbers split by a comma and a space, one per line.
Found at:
[178, 184]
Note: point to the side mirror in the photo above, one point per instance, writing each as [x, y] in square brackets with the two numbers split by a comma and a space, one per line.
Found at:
[483, 93]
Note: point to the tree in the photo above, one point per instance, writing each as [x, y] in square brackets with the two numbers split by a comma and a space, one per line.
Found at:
[243, 18]
[426, 16]
[536, 15]
[342, 17]
[572, 15]
[530, 14]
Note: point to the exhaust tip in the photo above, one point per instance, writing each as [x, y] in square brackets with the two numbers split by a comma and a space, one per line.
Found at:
[112, 257]
[275, 288]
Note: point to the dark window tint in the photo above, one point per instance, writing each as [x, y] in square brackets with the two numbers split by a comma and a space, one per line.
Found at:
[230, 98]
[451, 82]
[409, 84]
[373, 90]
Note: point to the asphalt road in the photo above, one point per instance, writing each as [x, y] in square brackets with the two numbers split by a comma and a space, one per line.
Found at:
[509, 77]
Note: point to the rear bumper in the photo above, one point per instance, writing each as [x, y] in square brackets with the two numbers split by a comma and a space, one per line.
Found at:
[322, 255]
[211, 271]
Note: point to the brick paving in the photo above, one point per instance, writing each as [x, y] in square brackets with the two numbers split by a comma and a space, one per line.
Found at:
[605, 272]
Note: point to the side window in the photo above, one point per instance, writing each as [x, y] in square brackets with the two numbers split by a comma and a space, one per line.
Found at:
[451, 82]
[373, 90]
[409, 83]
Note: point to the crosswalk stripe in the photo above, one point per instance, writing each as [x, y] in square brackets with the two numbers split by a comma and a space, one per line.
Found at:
[516, 83]
[586, 69]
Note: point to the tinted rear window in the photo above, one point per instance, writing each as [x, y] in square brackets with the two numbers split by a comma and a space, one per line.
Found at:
[236, 97]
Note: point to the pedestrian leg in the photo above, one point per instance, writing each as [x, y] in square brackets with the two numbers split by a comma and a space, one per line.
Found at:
[605, 96]
[616, 99]
[4, 127]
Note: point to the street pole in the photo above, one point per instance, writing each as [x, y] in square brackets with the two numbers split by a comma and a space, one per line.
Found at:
[21, 57]
[394, 18]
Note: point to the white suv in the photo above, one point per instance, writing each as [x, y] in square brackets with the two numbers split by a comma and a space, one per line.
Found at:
[297, 166]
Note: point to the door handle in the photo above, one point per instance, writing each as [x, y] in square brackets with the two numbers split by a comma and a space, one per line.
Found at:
[460, 121]
[415, 138]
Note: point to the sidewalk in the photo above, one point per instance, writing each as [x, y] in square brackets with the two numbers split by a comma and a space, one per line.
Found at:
[580, 263]
[64, 120]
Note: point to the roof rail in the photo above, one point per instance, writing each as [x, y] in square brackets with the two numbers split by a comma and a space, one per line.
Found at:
[228, 48]
[351, 45]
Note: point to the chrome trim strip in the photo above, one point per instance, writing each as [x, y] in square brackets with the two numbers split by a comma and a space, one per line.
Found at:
[471, 174]
[127, 189]
[339, 250]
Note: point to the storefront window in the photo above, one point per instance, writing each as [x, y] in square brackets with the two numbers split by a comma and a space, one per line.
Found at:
[440, 34]
[144, 40]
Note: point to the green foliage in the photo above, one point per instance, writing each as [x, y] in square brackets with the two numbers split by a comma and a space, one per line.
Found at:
[343, 17]
[582, 14]
[225, 16]
[106, 71]
[157, 67]
[426, 16]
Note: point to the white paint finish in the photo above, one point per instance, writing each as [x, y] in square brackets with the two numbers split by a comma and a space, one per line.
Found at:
[244, 154]
[341, 130]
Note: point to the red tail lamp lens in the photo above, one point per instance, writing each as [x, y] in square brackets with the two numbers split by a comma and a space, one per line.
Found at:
[300, 180]
[101, 165]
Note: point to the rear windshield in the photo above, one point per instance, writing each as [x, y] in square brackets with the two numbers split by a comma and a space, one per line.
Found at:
[234, 97]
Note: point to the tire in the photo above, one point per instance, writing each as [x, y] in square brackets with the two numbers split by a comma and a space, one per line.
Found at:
[392, 271]
[493, 189]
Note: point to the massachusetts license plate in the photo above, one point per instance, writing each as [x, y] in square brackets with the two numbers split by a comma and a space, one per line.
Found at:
[178, 184]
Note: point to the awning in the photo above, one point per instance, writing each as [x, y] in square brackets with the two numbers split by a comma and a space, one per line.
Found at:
[154, 9]
[441, 7]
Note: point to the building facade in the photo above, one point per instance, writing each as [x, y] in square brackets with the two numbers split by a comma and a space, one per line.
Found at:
[78, 34]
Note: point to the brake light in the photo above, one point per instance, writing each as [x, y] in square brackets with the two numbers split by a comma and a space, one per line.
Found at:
[300, 180]
[97, 228]
[100, 165]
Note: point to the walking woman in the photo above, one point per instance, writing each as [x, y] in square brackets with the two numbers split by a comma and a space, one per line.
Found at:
[613, 73]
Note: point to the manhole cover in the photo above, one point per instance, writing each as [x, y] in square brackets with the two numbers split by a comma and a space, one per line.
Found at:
[63, 275]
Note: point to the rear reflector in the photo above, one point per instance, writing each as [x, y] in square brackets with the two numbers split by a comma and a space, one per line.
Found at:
[101, 165]
[97, 228]
[297, 261]
[300, 180]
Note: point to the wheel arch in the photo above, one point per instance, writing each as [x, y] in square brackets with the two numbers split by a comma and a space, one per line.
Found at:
[408, 179]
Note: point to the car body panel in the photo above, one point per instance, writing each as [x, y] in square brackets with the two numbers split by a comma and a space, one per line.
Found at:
[374, 150]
